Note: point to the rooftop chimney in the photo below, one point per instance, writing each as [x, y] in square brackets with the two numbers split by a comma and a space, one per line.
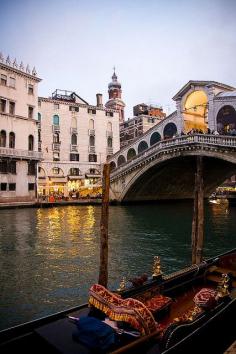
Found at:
[99, 100]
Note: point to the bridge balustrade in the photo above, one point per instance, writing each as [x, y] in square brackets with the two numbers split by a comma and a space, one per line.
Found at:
[219, 140]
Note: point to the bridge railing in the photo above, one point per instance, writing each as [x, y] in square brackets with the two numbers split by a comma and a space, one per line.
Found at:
[213, 140]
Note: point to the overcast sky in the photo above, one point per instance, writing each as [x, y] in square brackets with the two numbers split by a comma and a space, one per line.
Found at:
[155, 45]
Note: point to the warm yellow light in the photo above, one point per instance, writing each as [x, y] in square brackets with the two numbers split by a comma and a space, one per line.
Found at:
[195, 111]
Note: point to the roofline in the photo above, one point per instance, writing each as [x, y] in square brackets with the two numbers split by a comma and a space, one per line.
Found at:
[20, 72]
[49, 99]
[201, 83]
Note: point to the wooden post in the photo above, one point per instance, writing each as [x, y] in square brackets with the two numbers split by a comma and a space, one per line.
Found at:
[198, 214]
[103, 270]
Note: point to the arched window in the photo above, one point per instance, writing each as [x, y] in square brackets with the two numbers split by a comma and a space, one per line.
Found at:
[155, 137]
[131, 153]
[56, 119]
[109, 142]
[91, 124]
[109, 127]
[56, 138]
[121, 160]
[3, 138]
[74, 139]
[31, 143]
[142, 146]
[39, 117]
[91, 140]
[74, 172]
[12, 140]
[226, 120]
[170, 130]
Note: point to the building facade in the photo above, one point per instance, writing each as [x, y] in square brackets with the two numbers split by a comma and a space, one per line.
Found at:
[75, 139]
[115, 97]
[136, 127]
[19, 154]
[145, 117]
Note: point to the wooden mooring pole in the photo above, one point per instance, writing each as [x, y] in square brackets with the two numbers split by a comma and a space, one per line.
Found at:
[198, 214]
[103, 269]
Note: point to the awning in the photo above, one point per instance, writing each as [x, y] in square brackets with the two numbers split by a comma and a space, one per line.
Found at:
[58, 179]
[76, 177]
[92, 175]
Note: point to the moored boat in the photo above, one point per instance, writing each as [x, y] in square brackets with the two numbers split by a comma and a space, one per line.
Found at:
[191, 310]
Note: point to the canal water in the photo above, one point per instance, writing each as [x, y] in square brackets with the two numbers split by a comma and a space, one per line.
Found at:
[50, 257]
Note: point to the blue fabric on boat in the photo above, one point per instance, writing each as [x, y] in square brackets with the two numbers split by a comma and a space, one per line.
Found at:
[94, 333]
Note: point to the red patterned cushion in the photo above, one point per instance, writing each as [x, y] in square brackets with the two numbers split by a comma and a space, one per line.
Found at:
[205, 297]
[158, 302]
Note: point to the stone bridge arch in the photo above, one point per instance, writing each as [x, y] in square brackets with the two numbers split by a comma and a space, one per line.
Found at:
[173, 178]
[166, 170]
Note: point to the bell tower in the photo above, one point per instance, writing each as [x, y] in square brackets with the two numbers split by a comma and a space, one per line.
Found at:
[115, 100]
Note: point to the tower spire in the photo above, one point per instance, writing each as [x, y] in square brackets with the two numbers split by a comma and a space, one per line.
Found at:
[114, 92]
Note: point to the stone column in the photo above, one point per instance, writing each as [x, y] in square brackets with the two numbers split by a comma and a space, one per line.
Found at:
[211, 116]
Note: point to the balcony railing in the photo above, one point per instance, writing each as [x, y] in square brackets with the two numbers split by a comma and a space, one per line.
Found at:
[92, 149]
[21, 154]
[109, 134]
[73, 130]
[56, 146]
[55, 128]
[91, 132]
[73, 147]
[109, 150]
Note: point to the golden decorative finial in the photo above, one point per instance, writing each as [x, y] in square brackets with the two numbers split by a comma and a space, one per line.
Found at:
[122, 284]
[223, 287]
[157, 267]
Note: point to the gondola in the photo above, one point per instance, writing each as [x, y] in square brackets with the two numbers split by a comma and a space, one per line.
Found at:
[190, 311]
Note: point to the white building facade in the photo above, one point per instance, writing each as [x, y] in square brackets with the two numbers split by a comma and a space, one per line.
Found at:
[75, 138]
[19, 154]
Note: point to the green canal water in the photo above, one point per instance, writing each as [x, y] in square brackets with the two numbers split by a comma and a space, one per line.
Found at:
[50, 257]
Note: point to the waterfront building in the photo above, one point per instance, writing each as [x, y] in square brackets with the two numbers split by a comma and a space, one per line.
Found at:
[75, 139]
[115, 100]
[19, 154]
[145, 117]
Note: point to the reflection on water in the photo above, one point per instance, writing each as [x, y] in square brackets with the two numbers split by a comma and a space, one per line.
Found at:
[50, 257]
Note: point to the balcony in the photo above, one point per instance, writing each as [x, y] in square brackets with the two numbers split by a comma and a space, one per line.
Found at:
[73, 131]
[109, 134]
[21, 154]
[56, 146]
[91, 132]
[56, 128]
[74, 148]
[109, 150]
[92, 149]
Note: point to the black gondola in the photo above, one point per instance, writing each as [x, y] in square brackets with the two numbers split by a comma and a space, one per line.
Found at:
[195, 315]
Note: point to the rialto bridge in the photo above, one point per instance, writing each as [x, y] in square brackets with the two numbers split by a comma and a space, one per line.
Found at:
[161, 164]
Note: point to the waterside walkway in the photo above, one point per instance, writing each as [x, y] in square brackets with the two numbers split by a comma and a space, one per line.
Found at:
[46, 204]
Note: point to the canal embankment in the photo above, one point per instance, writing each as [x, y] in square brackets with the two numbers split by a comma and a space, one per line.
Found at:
[47, 204]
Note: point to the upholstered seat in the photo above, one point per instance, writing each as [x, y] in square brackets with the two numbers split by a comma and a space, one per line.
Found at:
[128, 310]
[158, 303]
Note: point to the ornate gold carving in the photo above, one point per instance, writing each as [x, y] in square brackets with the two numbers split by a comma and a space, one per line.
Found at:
[223, 287]
[157, 267]
[122, 284]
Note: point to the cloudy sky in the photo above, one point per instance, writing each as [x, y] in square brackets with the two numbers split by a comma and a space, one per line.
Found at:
[155, 45]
